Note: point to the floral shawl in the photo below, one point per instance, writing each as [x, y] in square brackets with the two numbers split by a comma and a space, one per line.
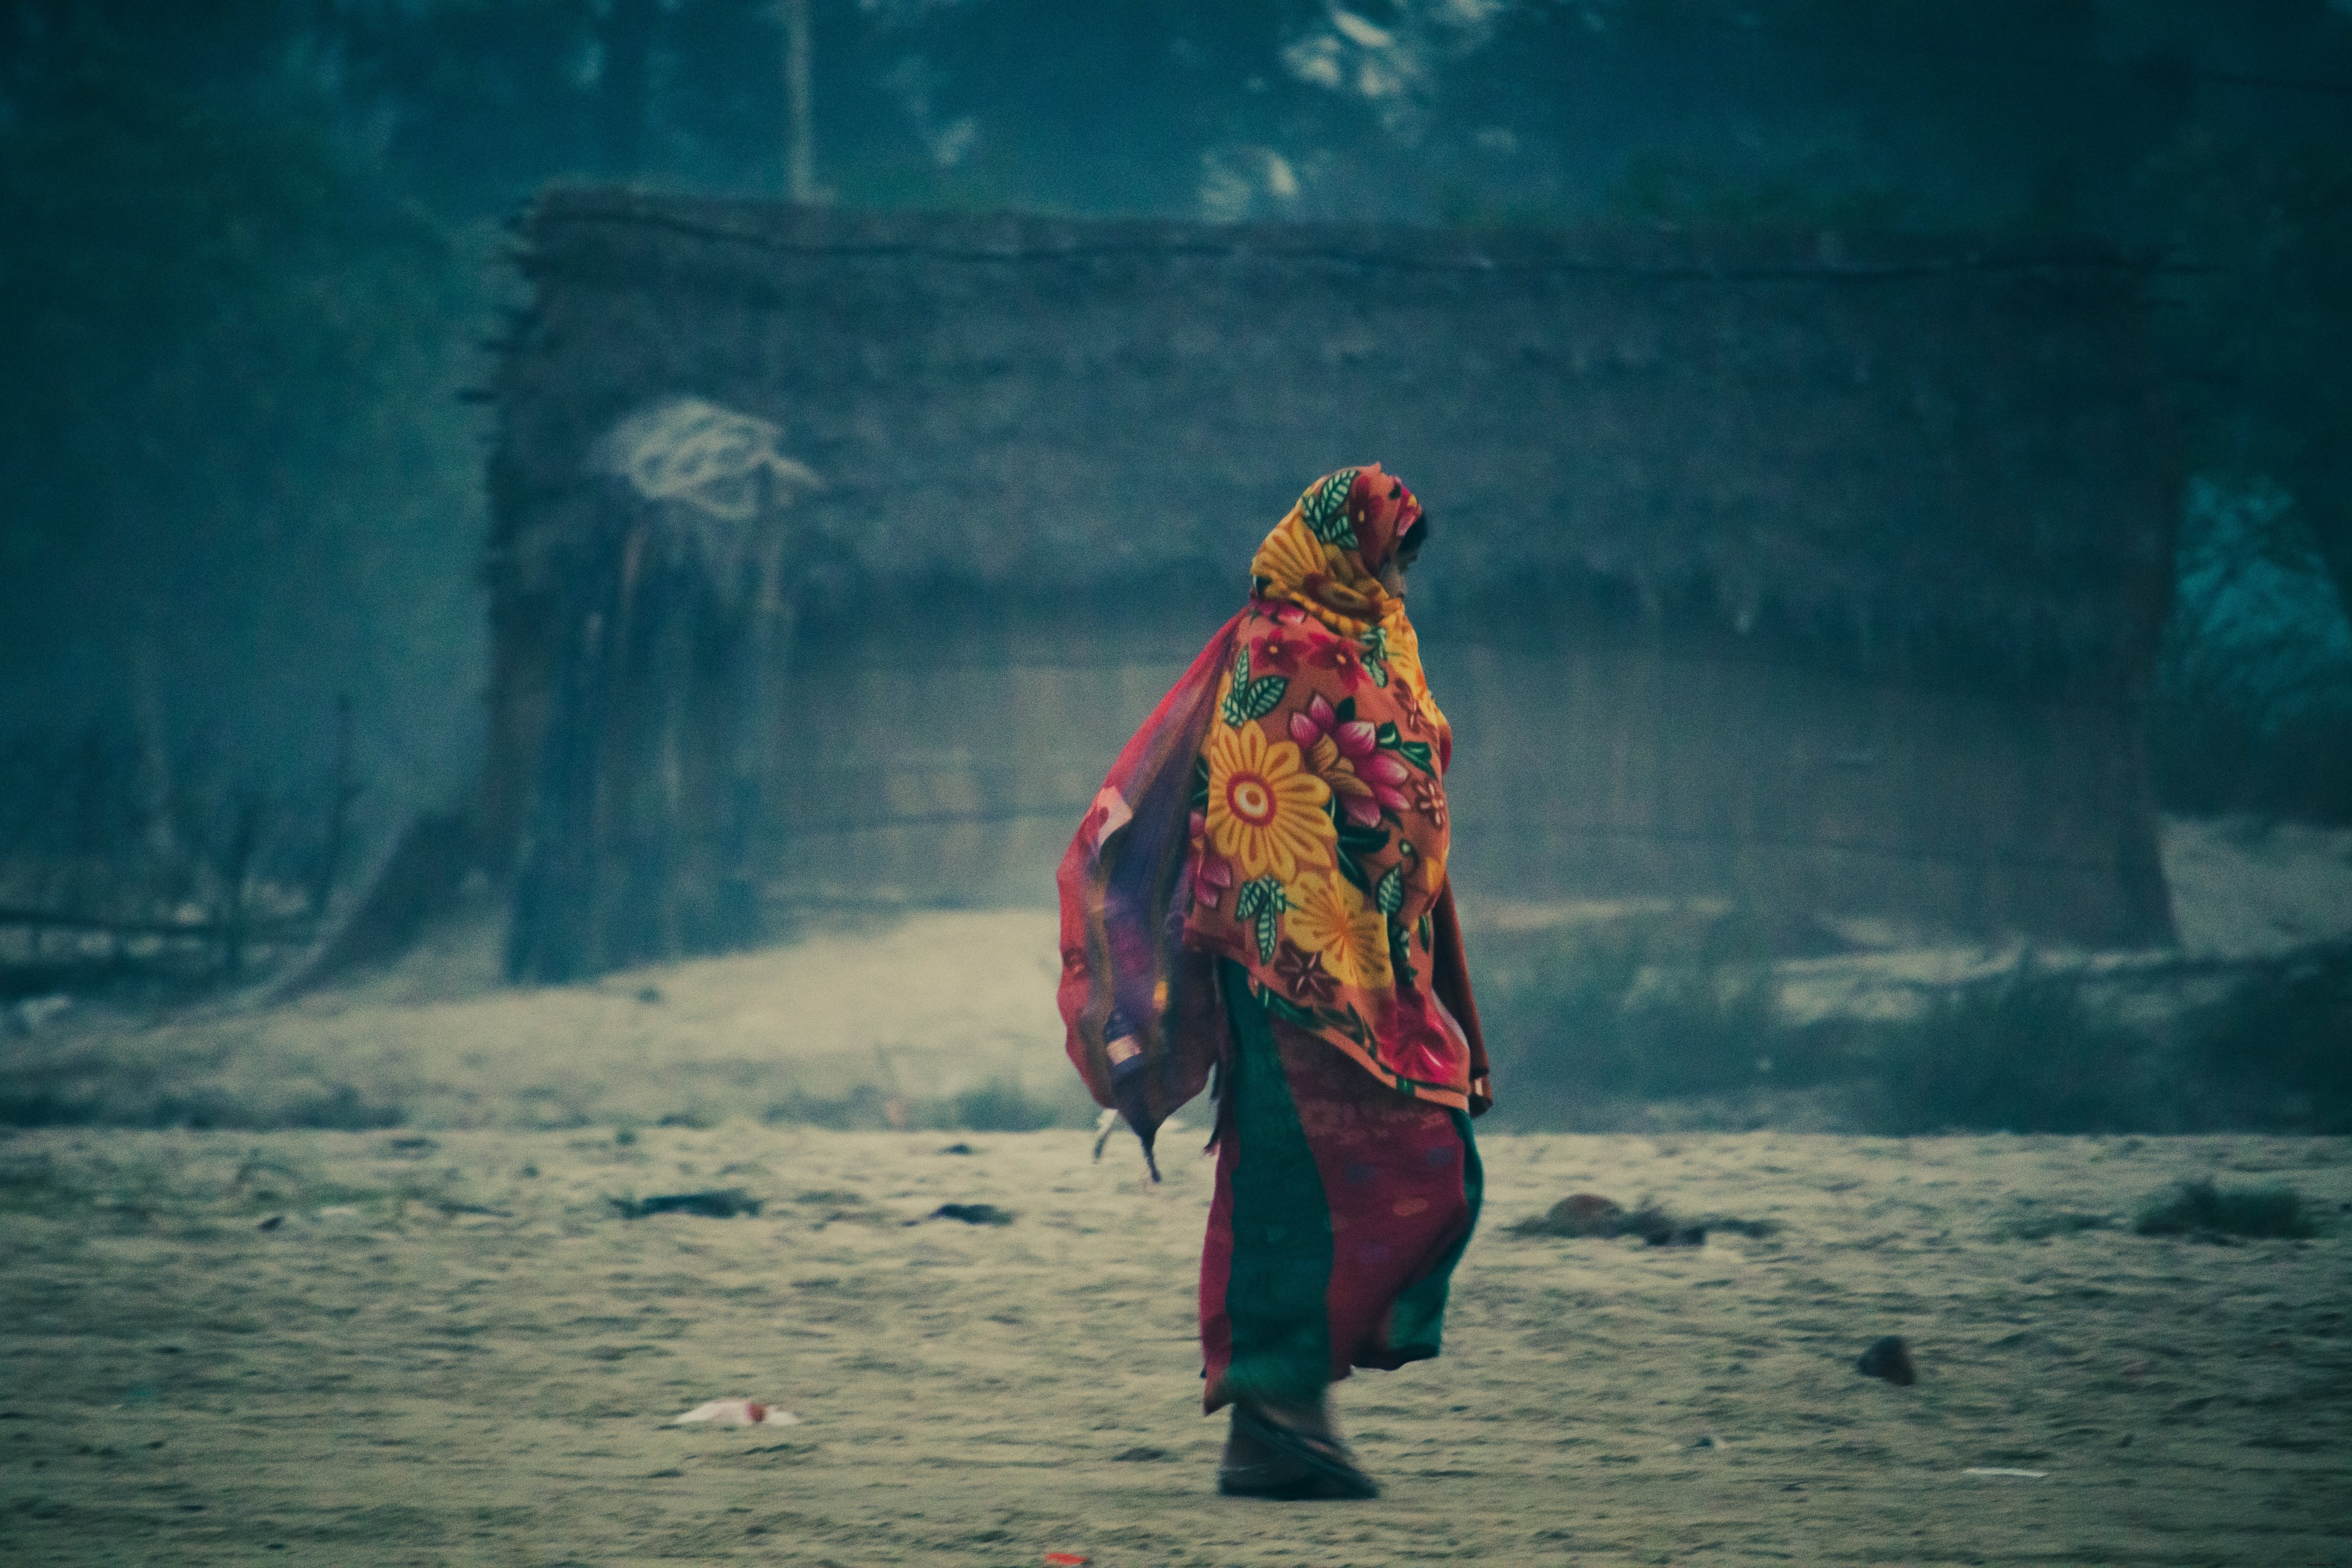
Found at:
[1284, 807]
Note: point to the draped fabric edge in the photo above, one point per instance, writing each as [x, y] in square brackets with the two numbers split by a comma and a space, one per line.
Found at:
[1145, 1018]
[1450, 979]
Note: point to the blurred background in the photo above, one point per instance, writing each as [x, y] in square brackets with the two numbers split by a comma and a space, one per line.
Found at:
[259, 257]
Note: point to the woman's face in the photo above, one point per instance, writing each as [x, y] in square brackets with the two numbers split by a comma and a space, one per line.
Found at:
[1394, 570]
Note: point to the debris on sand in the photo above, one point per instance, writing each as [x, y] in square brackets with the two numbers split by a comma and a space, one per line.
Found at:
[2002, 1470]
[721, 1203]
[1754, 1229]
[1889, 1358]
[737, 1413]
[1658, 1229]
[971, 1213]
[2031, 1221]
[1590, 1215]
[2202, 1210]
[1579, 1214]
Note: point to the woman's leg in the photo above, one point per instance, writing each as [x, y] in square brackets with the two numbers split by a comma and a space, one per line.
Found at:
[1265, 1267]
[1340, 1210]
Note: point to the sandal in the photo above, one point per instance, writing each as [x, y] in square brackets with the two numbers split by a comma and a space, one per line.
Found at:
[1305, 1467]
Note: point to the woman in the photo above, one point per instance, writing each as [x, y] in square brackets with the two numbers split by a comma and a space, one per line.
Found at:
[1260, 887]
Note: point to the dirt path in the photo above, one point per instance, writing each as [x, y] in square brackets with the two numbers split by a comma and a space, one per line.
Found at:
[452, 1351]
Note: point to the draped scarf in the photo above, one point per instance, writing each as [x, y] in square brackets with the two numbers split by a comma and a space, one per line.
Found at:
[1284, 808]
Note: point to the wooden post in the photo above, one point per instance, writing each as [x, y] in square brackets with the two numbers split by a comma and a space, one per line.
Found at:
[765, 652]
[800, 157]
[339, 810]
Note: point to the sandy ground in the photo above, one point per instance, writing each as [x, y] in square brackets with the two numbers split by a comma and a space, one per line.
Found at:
[916, 1009]
[451, 1350]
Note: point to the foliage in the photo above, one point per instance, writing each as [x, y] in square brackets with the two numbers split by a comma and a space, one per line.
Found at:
[2252, 701]
[2259, 324]
[164, 873]
[238, 368]
[2026, 1053]
[1643, 1009]
[1000, 1105]
[1659, 1023]
[2277, 1051]
[2202, 1208]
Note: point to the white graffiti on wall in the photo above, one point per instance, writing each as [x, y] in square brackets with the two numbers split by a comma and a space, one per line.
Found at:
[706, 457]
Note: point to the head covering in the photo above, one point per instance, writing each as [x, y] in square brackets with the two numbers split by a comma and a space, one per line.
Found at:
[1283, 808]
[1326, 556]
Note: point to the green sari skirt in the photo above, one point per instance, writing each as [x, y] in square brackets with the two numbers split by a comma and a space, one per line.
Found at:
[1341, 1209]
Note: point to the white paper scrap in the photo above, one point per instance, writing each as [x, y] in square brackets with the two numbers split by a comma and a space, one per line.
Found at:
[738, 1413]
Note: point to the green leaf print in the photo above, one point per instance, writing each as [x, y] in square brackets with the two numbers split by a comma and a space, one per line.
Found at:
[1248, 699]
[1261, 903]
[1375, 655]
[1417, 752]
[1354, 845]
[1263, 697]
[1389, 897]
[1283, 1008]
[1325, 512]
[1400, 952]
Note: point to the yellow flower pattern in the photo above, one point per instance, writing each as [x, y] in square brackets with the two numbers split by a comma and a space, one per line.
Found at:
[1266, 810]
[1324, 579]
[1327, 916]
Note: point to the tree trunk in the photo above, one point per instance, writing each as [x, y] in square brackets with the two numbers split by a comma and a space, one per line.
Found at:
[625, 91]
[800, 155]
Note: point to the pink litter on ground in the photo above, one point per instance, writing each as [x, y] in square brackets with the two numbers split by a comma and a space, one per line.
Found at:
[738, 1413]
[1064, 1560]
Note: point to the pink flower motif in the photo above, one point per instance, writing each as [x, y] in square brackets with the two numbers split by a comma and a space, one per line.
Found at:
[1425, 1056]
[1362, 777]
[1416, 1045]
[1277, 655]
[1211, 877]
[1341, 658]
[1387, 771]
[1108, 814]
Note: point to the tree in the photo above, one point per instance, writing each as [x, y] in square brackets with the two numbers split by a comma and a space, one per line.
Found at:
[232, 431]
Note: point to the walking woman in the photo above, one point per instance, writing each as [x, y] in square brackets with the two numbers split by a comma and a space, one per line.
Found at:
[1260, 888]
